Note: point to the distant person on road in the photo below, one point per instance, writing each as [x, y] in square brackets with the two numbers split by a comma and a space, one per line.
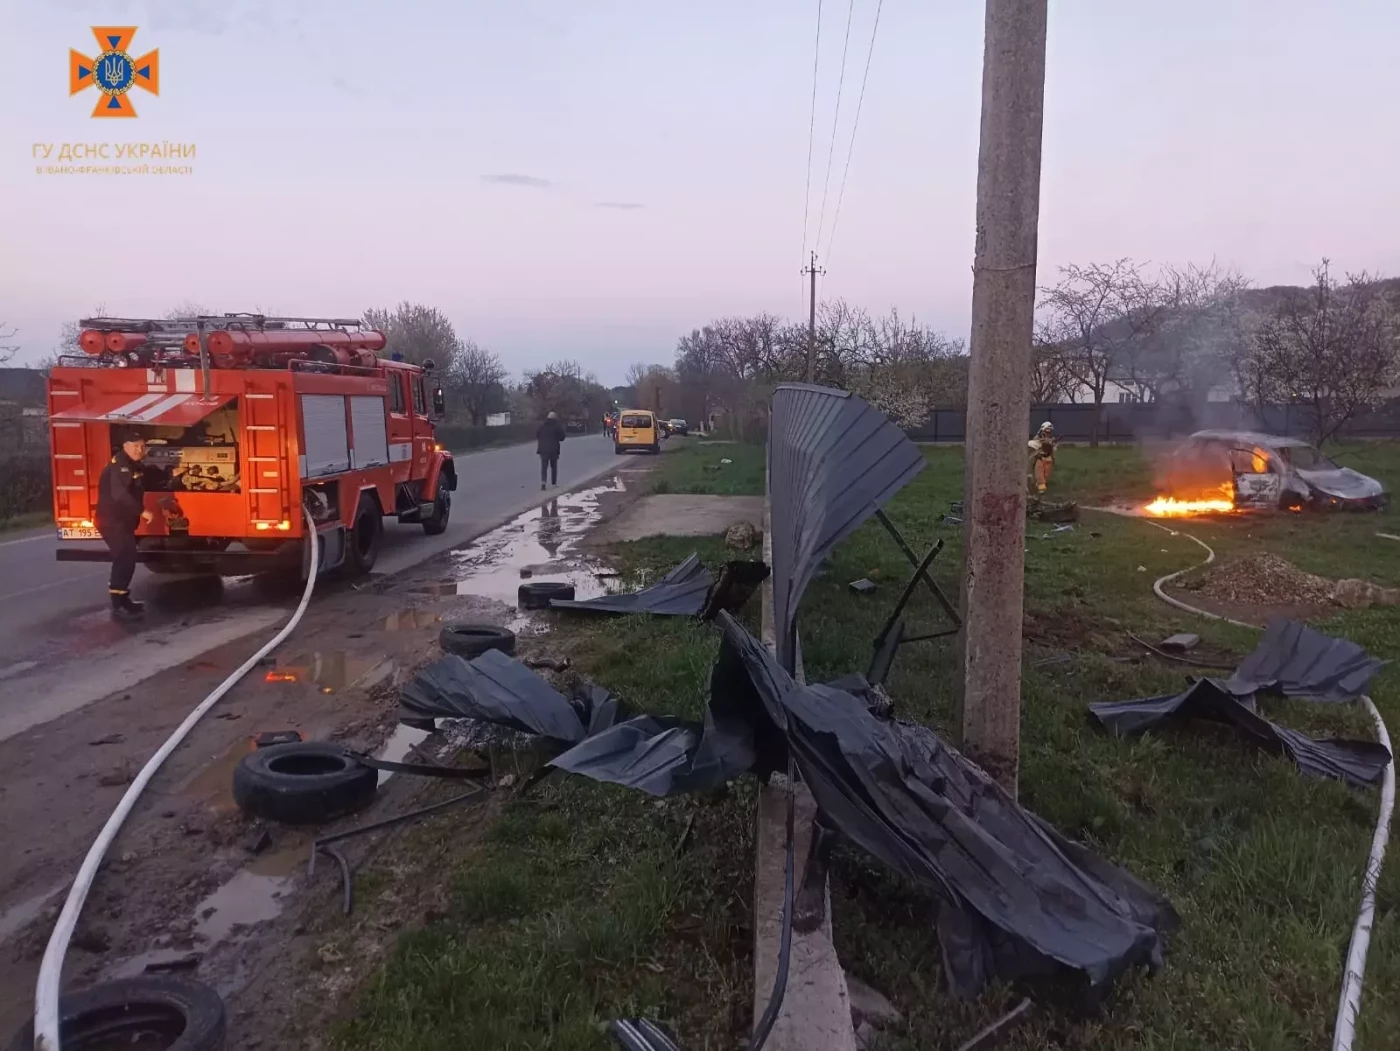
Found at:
[120, 494]
[547, 441]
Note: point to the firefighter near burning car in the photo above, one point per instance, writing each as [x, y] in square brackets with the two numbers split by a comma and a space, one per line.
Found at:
[241, 421]
[1042, 448]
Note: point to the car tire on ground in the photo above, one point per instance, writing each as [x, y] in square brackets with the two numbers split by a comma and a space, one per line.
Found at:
[178, 1013]
[472, 640]
[304, 782]
[656, 449]
[365, 537]
[436, 523]
[618, 450]
[538, 594]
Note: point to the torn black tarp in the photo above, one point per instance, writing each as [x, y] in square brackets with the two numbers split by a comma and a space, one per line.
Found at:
[1018, 898]
[1294, 660]
[1360, 762]
[499, 689]
[680, 593]
[1291, 660]
[833, 461]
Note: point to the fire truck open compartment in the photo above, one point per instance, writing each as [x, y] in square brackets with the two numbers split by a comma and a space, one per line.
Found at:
[247, 420]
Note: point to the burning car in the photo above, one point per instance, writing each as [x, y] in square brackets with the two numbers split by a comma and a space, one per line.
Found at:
[1224, 471]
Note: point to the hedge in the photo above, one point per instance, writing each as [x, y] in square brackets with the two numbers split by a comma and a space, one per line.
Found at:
[25, 485]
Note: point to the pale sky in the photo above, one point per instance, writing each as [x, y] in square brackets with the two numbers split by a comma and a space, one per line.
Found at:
[473, 155]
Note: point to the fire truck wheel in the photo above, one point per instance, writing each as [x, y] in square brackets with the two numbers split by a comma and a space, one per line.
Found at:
[304, 782]
[472, 640]
[168, 1011]
[436, 523]
[537, 594]
[365, 538]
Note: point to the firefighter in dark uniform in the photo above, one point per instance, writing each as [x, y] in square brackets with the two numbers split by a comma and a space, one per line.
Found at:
[120, 512]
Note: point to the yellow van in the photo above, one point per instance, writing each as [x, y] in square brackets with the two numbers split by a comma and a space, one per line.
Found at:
[636, 429]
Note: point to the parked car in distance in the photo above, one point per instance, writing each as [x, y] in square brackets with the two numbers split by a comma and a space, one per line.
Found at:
[1283, 472]
[637, 429]
[575, 425]
[663, 427]
[679, 427]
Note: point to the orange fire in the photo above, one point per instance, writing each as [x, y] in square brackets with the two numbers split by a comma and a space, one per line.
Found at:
[1171, 507]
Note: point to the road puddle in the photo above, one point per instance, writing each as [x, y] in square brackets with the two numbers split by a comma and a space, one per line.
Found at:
[214, 782]
[248, 898]
[22, 914]
[397, 747]
[539, 545]
[333, 670]
[412, 620]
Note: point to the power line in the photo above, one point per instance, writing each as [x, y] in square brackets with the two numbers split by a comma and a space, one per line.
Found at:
[835, 119]
[841, 194]
[811, 129]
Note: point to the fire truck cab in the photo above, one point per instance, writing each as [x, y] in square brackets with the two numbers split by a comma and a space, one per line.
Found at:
[248, 420]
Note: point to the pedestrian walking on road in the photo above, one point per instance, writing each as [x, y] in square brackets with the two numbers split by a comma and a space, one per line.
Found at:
[120, 512]
[547, 441]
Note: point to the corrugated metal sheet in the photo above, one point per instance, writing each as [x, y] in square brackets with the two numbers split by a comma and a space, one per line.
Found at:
[680, 593]
[832, 461]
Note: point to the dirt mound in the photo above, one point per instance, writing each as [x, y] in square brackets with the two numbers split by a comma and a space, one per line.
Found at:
[1271, 581]
[1265, 580]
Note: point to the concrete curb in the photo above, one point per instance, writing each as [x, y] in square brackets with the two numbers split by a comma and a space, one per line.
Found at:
[816, 1010]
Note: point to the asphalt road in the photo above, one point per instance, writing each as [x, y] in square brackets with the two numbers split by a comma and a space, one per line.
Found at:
[41, 597]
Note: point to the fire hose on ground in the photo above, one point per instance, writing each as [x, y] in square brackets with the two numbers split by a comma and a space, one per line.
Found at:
[46, 995]
[1354, 977]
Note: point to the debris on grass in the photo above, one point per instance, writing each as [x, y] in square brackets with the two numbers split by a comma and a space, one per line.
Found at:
[1270, 581]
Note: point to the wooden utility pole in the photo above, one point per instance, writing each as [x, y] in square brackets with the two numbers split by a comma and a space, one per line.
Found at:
[812, 321]
[1003, 308]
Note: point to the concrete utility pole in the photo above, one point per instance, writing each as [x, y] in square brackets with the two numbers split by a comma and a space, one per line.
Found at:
[1003, 308]
[812, 322]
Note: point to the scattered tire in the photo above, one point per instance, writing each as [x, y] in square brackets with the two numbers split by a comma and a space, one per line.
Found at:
[306, 782]
[174, 1013]
[436, 523]
[538, 594]
[366, 535]
[472, 640]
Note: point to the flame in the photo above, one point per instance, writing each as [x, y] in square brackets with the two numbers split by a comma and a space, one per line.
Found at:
[280, 676]
[1170, 507]
[1220, 500]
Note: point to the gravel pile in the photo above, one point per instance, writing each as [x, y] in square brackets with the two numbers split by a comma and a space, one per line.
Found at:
[1266, 580]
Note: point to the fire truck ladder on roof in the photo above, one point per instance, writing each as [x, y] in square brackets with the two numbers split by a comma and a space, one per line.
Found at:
[214, 322]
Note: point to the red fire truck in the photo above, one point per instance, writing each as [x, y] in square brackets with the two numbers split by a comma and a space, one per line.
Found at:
[247, 420]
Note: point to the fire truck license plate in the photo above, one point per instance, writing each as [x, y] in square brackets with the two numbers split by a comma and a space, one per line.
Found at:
[78, 533]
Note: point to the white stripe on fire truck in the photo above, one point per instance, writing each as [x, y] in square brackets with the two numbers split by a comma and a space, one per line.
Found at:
[64, 393]
[165, 404]
[132, 406]
[67, 456]
[184, 380]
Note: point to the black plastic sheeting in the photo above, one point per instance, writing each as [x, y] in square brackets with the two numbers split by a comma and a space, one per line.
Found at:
[832, 461]
[1291, 660]
[680, 593]
[1017, 898]
[498, 689]
[688, 590]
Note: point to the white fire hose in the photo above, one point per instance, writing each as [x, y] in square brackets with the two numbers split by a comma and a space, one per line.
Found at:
[46, 1007]
[1354, 977]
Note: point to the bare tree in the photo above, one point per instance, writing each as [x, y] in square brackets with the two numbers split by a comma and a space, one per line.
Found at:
[1332, 348]
[420, 333]
[1052, 379]
[8, 348]
[1102, 316]
[188, 308]
[476, 378]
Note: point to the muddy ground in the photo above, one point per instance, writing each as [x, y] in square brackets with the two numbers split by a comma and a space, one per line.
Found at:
[191, 885]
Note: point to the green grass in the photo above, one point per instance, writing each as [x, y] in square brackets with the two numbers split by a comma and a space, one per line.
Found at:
[1263, 864]
[697, 467]
[31, 520]
[575, 909]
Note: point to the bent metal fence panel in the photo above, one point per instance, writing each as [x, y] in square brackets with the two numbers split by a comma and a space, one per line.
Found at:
[833, 460]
